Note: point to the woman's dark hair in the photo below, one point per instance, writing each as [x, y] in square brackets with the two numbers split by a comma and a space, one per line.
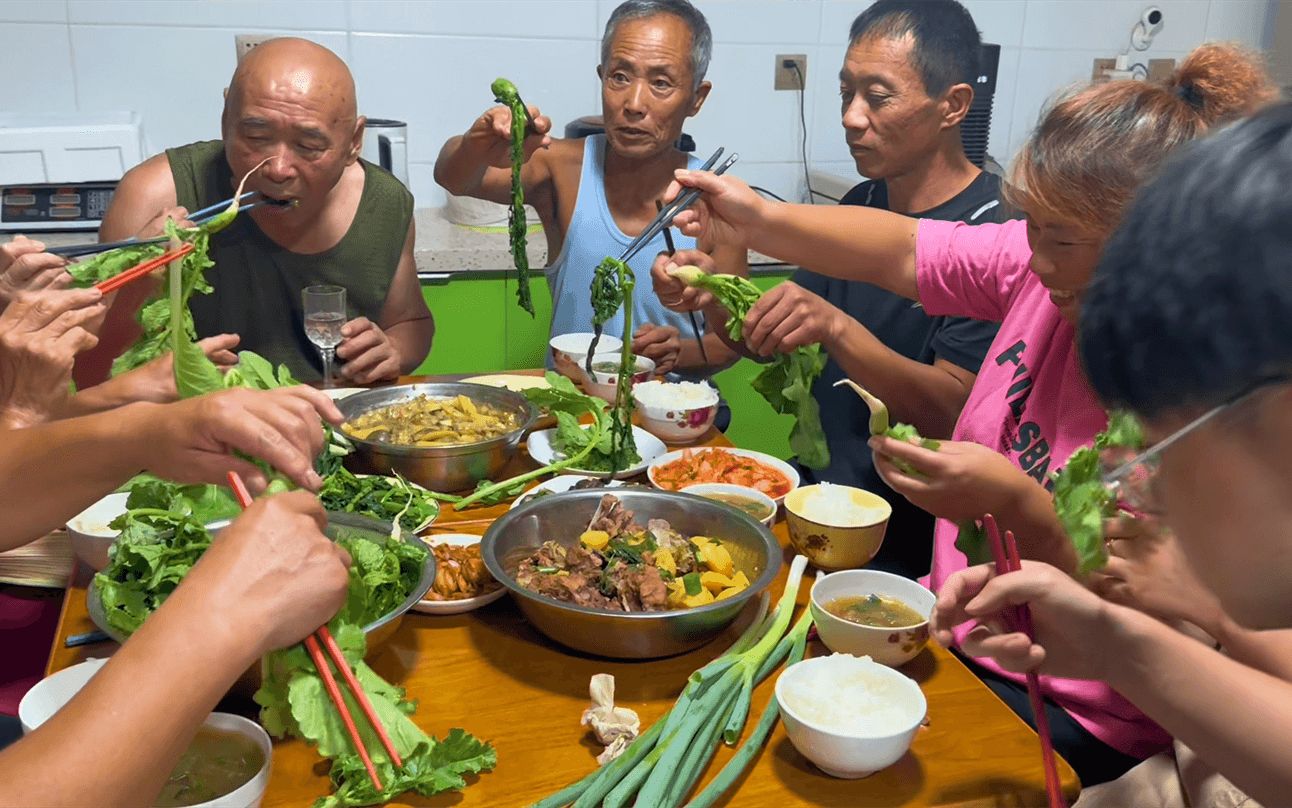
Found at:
[946, 43]
[1192, 301]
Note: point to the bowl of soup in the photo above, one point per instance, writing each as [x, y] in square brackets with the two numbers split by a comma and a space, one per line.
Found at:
[746, 500]
[872, 613]
[570, 352]
[605, 373]
[226, 765]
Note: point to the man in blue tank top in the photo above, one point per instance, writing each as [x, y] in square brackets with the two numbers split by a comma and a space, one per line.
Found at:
[594, 195]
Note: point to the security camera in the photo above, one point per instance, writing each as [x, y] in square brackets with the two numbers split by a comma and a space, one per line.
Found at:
[1149, 25]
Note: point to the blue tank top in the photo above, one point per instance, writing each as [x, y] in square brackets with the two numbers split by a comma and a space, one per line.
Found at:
[593, 235]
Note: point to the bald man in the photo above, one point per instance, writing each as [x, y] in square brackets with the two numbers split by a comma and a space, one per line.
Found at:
[293, 102]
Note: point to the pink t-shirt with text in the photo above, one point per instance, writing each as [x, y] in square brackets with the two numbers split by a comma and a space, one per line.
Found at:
[1031, 402]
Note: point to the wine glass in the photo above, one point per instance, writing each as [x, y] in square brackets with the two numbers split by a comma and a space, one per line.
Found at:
[324, 316]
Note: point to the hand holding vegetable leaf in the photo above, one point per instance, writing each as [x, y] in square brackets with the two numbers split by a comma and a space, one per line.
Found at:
[1081, 499]
[158, 318]
[505, 93]
[786, 383]
[972, 539]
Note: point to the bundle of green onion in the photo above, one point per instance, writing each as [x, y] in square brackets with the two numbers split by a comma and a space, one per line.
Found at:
[664, 763]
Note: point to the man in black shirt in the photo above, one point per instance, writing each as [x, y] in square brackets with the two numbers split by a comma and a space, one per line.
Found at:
[906, 84]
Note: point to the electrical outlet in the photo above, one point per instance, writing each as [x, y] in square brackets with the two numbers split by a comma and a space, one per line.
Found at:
[786, 77]
[1101, 67]
[245, 42]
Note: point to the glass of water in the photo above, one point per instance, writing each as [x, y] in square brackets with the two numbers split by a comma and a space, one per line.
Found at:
[324, 316]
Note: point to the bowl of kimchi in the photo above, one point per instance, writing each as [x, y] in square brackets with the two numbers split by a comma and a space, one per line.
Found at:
[682, 469]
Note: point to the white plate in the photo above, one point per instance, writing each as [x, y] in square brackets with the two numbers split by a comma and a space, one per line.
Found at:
[443, 607]
[338, 393]
[648, 446]
[789, 471]
[510, 381]
[558, 485]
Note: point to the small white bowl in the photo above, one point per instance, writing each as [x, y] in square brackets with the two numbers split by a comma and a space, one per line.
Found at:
[89, 531]
[445, 607]
[604, 384]
[888, 646]
[685, 424]
[570, 352]
[53, 692]
[851, 755]
[49, 695]
[708, 490]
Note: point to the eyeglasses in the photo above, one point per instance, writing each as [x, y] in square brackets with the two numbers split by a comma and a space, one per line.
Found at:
[1132, 481]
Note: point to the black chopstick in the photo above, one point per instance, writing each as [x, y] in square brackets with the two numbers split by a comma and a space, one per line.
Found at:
[665, 219]
[88, 638]
[651, 228]
[695, 325]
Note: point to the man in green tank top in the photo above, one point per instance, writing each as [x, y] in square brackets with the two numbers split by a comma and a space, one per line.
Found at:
[293, 102]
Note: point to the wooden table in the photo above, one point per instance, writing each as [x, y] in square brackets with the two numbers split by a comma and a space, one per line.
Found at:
[492, 674]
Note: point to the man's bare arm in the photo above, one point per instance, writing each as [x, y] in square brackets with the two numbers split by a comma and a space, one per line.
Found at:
[145, 191]
[405, 317]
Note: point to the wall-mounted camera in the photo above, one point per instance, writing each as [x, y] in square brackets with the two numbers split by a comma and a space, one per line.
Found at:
[1149, 25]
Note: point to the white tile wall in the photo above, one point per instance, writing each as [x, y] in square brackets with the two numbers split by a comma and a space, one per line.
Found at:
[430, 62]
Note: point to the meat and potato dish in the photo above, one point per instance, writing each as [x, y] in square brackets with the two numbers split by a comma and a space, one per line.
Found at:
[620, 566]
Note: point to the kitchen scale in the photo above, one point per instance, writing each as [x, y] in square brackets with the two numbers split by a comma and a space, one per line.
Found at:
[54, 206]
[59, 171]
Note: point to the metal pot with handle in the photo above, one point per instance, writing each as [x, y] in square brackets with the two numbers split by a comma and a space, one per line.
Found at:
[385, 143]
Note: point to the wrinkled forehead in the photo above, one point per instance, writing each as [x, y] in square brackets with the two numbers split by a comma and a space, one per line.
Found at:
[661, 40]
[878, 57]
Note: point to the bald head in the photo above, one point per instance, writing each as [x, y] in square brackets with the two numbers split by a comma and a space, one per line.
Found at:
[294, 72]
[291, 105]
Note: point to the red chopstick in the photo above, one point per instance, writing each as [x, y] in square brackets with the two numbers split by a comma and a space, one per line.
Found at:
[1005, 554]
[147, 267]
[324, 635]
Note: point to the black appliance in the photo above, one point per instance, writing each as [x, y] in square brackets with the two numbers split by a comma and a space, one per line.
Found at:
[976, 126]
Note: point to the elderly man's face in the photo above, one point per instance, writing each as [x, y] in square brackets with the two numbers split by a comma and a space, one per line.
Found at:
[890, 122]
[302, 124]
[647, 86]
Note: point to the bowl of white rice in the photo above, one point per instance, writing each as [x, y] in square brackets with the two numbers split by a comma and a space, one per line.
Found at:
[849, 715]
[837, 527]
[676, 412]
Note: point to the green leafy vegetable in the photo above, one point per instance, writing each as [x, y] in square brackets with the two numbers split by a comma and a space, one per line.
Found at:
[612, 287]
[785, 383]
[563, 400]
[1082, 500]
[391, 499]
[504, 92]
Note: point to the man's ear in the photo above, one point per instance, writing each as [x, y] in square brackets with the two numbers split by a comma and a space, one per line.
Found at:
[356, 140]
[701, 95]
[955, 104]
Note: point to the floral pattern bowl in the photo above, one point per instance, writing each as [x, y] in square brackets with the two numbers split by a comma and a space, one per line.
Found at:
[678, 424]
[889, 646]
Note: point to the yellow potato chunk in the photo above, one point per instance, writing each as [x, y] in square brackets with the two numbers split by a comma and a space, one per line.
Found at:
[676, 594]
[729, 592]
[717, 559]
[740, 579]
[665, 561]
[715, 581]
[595, 539]
[691, 601]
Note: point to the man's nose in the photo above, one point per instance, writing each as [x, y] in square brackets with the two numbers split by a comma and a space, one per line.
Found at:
[635, 99]
[856, 117]
[280, 167]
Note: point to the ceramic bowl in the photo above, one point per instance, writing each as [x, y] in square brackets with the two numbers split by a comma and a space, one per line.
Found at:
[835, 546]
[888, 646]
[678, 424]
[603, 383]
[570, 353]
[91, 537]
[718, 492]
[851, 754]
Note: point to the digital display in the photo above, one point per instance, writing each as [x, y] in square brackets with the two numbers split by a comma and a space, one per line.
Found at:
[54, 205]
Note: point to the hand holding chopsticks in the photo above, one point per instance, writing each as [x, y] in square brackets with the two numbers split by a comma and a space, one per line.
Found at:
[1005, 554]
[683, 201]
[316, 645]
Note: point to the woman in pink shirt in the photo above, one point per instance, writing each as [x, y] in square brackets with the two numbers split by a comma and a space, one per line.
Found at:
[1030, 406]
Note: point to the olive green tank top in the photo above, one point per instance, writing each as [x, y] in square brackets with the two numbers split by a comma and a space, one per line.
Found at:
[257, 284]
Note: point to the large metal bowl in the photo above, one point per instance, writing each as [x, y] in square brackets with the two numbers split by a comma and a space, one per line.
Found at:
[439, 468]
[636, 635]
[338, 523]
